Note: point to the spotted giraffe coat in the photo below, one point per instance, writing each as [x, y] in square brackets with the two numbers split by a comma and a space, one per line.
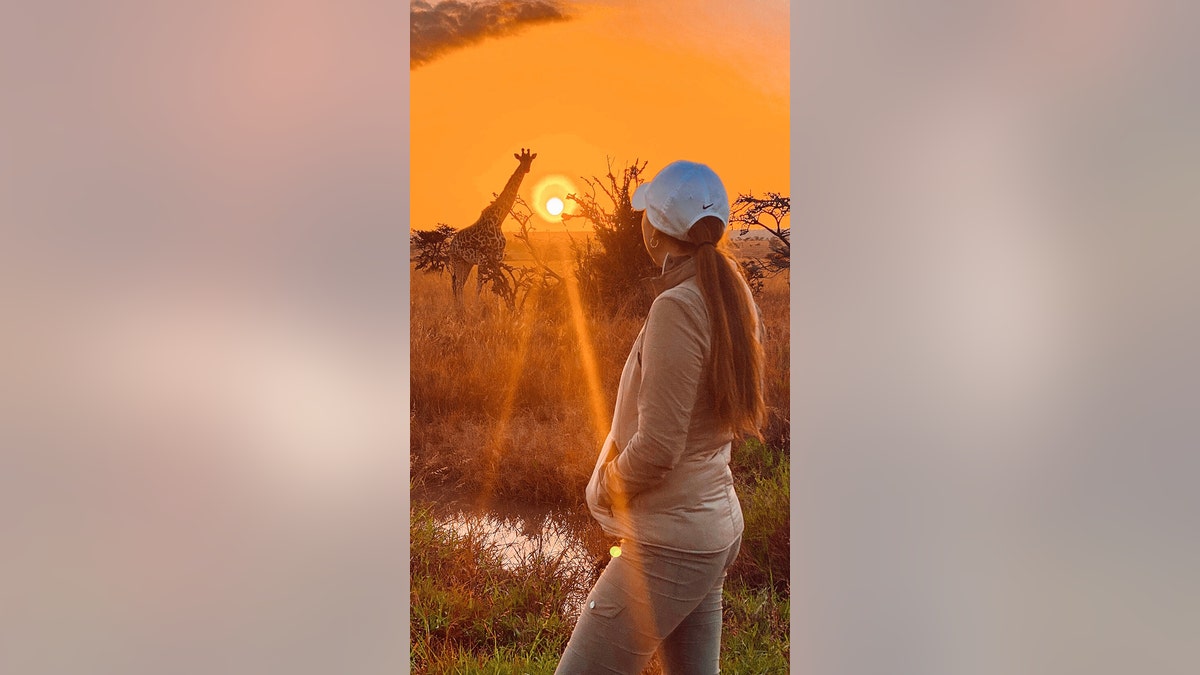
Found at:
[484, 242]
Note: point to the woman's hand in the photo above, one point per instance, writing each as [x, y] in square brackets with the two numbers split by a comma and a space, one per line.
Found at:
[603, 498]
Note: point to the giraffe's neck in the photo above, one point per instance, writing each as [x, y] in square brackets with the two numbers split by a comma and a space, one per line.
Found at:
[494, 214]
[484, 240]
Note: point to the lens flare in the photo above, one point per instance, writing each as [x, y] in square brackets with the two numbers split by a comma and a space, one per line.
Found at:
[615, 551]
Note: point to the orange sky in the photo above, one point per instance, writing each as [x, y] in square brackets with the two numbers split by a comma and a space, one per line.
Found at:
[658, 80]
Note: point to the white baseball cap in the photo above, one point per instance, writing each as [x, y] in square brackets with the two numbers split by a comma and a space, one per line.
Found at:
[682, 193]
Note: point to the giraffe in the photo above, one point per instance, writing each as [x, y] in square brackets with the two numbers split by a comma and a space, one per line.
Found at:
[483, 243]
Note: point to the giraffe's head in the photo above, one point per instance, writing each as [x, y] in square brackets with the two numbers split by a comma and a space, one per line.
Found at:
[525, 158]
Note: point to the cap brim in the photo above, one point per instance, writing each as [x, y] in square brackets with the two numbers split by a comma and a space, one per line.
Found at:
[639, 197]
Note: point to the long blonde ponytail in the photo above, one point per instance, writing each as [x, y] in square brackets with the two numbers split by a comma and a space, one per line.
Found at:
[735, 366]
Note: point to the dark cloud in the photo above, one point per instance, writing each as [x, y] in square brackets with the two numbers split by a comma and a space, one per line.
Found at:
[441, 27]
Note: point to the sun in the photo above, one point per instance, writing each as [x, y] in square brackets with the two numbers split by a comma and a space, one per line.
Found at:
[550, 198]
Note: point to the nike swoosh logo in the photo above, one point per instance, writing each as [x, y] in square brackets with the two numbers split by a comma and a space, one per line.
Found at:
[708, 206]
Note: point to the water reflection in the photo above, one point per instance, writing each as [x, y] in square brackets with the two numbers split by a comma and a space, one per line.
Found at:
[530, 541]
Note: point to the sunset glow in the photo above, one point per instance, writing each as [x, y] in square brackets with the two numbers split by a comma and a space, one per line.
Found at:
[635, 83]
[715, 92]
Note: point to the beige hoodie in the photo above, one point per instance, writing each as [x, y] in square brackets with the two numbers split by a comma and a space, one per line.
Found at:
[662, 477]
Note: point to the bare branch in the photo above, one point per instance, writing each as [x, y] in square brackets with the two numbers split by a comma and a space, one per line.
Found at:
[522, 212]
[749, 210]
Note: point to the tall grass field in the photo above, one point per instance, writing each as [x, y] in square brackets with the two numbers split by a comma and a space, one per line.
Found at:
[508, 411]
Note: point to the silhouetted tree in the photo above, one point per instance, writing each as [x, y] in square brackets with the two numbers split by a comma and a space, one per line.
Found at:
[749, 211]
[611, 270]
[430, 248]
[523, 213]
[543, 279]
[756, 275]
[498, 277]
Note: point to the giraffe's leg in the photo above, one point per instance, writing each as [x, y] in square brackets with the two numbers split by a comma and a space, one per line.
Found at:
[459, 269]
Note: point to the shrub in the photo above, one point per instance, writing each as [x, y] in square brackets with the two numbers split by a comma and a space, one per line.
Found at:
[430, 249]
[611, 271]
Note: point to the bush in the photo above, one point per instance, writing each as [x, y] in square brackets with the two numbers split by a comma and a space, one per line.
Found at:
[611, 272]
[431, 248]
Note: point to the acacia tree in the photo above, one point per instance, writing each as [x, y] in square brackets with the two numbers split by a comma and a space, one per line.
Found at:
[431, 248]
[610, 271]
[748, 212]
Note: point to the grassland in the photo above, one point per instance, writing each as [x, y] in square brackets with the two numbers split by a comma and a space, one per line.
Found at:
[503, 413]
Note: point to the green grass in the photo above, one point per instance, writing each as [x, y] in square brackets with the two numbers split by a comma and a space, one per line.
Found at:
[754, 637]
[762, 476]
[471, 615]
[466, 605]
[754, 640]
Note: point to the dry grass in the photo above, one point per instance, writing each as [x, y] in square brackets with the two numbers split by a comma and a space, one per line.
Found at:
[501, 401]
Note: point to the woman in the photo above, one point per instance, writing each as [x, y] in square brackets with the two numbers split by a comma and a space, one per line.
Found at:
[692, 384]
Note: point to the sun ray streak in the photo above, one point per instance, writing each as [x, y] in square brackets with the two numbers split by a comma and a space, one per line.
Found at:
[645, 621]
[587, 357]
[524, 331]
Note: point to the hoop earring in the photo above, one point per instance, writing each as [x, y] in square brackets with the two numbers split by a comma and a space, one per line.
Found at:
[654, 243]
